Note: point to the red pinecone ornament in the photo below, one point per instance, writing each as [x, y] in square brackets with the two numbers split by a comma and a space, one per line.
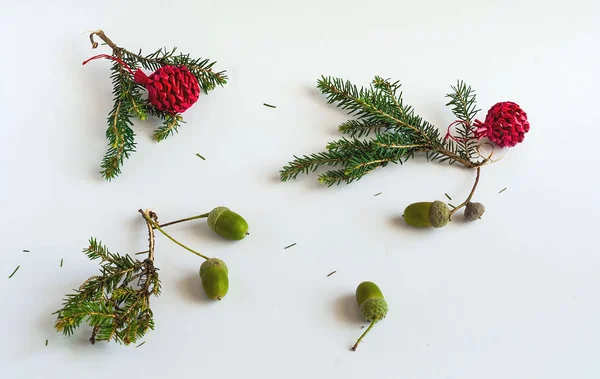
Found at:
[505, 124]
[171, 89]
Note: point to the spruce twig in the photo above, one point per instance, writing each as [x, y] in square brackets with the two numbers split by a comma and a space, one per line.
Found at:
[116, 303]
[395, 133]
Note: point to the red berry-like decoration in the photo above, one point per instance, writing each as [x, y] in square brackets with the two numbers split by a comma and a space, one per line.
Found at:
[505, 124]
[171, 89]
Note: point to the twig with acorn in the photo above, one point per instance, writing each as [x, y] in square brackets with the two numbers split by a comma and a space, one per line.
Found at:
[116, 303]
[396, 134]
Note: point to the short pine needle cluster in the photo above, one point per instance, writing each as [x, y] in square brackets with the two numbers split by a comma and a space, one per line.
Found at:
[130, 102]
[386, 130]
[116, 303]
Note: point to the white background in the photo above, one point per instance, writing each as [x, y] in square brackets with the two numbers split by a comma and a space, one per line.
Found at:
[514, 295]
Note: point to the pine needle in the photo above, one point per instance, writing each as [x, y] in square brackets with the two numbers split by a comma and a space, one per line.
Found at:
[269, 105]
[448, 196]
[26, 251]
[504, 189]
[287, 247]
[61, 262]
[11, 275]
[200, 156]
[46, 342]
[331, 273]
[377, 194]
[141, 344]
[453, 207]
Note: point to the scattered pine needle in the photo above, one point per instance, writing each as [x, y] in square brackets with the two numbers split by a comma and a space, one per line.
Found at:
[46, 342]
[26, 251]
[287, 247]
[141, 344]
[504, 189]
[11, 275]
[61, 262]
[200, 156]
[331, 273]
[269, 105]
[453, 207]
[377, 194]
[448, 196]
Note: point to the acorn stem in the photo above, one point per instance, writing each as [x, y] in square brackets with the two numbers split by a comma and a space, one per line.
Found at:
[364, 334]
[464, 203]
[157, 227]
[205, 215]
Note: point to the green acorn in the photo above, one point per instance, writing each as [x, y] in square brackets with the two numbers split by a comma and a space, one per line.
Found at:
[372, 305]
[426, 214]
[227, 223]
[474, 211]
[215, 279]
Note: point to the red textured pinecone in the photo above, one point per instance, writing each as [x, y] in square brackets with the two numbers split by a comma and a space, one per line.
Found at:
[505, 124]
[171, 89]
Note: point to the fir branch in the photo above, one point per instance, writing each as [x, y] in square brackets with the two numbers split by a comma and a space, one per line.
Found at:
[399, 132]
[170, 124]
[364, 127]
[110, 303]
[202, 70]
[464, 106]
[119, 132]
[310, 163]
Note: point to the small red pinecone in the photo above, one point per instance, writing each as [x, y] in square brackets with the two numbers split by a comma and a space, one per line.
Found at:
[171, 89]
[505, 124]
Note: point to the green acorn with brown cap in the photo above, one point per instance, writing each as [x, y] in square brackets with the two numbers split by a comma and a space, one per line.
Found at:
[373, 306]
[427, 214]
[227, 223]
[222, 221]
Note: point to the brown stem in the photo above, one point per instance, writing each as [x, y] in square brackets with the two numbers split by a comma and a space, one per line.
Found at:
[464, 203]
[184, 220]
[93, 337]
[104, 38]
[149, 216]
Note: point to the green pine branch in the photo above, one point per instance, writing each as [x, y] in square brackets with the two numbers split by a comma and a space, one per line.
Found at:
[170, 123]
[399, 132]
[201, 68]
[464, 106]
[116, 303]
[119, 133]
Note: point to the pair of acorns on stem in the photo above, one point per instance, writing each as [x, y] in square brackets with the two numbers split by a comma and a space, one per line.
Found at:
[213, 271]
[437, 214]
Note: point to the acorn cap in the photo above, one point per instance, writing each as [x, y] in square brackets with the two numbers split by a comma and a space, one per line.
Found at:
[374, 308]
[212, 262]
[474, 211]
[439, 214]
[214, 215]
